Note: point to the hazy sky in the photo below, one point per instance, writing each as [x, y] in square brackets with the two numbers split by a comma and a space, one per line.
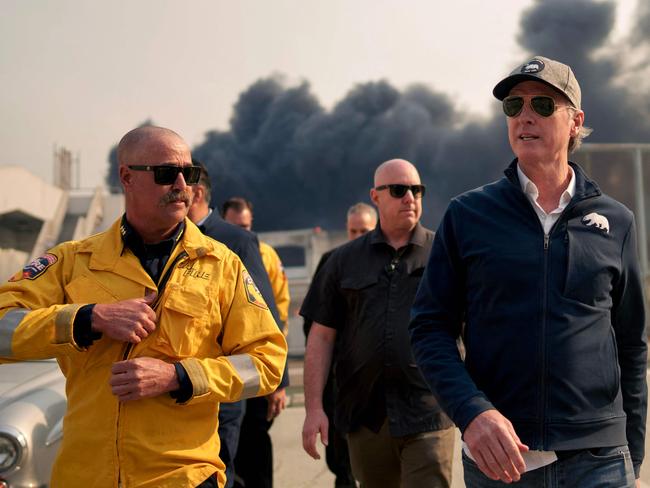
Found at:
[80, 74]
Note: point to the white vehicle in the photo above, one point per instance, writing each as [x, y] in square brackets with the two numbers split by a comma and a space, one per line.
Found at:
[32, 405]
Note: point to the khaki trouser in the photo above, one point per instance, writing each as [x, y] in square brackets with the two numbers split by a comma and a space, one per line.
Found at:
[415, 461]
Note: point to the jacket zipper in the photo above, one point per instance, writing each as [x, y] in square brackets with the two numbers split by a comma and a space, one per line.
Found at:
[129, 347]
[162, 283]
[547, 244]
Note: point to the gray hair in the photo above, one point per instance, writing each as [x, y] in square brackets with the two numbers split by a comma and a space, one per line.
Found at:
[576, 141]
[361, 208]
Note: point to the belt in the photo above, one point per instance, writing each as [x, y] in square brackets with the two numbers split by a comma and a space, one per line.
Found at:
[596, 451]
[562, 455]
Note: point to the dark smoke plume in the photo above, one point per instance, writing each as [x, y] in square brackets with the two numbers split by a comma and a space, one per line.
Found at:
[572, 32]
[642, 29]
[303, 166]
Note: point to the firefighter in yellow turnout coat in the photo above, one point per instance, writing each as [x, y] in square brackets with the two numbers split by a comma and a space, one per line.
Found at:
[209, 318]
[279, 282]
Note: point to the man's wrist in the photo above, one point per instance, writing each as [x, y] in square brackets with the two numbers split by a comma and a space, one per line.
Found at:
[83, 333]
[184, 390]
[313, 408]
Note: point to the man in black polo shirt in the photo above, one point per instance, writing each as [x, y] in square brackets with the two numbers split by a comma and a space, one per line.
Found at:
[397, 434]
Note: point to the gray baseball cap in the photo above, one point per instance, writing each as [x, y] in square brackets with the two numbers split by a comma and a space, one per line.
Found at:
[555, 74]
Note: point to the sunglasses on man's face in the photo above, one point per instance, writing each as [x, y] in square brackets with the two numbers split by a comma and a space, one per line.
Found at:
[166, 174]
[542, 105]
[398, 191]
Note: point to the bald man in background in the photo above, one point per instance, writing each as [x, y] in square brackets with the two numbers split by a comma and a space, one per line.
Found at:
[397, 434]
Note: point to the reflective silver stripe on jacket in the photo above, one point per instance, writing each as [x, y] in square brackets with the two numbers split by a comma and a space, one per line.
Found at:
[8, 325]
[246, 370]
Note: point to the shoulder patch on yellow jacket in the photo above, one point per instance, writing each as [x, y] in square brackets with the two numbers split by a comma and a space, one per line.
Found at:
[253, 294]
[36, 268]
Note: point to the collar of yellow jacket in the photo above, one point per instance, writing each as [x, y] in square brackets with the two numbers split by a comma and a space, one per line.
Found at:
[108, 247]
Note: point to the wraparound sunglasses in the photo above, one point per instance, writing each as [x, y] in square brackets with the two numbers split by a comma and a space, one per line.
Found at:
[398, 191]
[166, 174]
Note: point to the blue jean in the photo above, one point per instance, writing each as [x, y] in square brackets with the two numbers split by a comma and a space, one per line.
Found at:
[230, 419]
[605, 467]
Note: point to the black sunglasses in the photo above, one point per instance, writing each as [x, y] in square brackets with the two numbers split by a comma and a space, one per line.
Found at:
[398, 191]
[166, 174]
[542, 105]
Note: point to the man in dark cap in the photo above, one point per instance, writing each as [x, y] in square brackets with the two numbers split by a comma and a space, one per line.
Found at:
[539, 273]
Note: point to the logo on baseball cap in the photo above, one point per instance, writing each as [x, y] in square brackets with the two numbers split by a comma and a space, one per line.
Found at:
[553, 73]
[534, 66]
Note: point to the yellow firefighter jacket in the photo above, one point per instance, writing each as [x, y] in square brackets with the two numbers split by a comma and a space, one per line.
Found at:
[210, 317]
[279, 282]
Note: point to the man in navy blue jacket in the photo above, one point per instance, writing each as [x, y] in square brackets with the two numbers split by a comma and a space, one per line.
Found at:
[246, 246]
[538, 272]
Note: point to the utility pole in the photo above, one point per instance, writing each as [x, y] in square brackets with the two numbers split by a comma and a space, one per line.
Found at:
[64, 165]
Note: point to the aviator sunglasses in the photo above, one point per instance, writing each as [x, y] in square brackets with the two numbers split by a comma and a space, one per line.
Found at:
[166, 174]
[542, 105]
[398, 191]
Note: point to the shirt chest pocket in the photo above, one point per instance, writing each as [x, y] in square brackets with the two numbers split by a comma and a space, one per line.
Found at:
[592, 264]
[360, 292]
[358, 283]
[186, 326]
[414, 277]
[85, 289]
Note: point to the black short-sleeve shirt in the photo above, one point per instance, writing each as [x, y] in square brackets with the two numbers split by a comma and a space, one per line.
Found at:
[365, 291]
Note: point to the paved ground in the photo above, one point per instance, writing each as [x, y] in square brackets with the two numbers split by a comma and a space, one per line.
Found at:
[293, 468]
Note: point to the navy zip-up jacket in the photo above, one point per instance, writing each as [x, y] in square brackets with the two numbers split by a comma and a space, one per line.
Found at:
[553, 326]
[247, 247]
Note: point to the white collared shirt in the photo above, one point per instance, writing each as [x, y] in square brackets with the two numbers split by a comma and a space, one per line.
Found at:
[530, 189]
